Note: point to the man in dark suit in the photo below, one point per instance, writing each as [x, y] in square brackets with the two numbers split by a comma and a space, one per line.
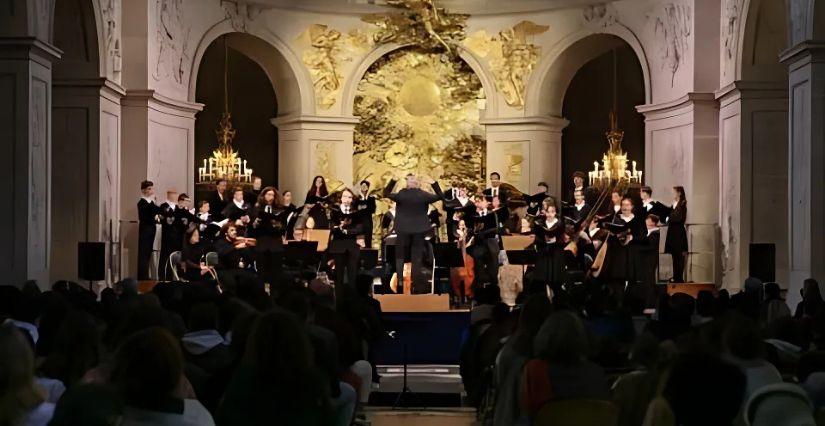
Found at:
[650, 206]
[366, 205]
[147, 219]
[412, 225]
[218, 200]
[170, 239]
[495, 189]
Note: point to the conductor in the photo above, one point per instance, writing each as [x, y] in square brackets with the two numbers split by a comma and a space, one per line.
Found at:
[412, 225]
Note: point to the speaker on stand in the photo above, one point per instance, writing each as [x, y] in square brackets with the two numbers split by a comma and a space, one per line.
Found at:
[91, 262]
[762, 262]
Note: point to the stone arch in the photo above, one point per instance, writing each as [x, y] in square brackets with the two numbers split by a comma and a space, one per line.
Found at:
[288, 76]
[351, 85]
[763, 35]
[548, 84]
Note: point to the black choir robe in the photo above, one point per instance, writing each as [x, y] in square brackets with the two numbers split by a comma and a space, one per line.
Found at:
[217, 204]
[647, 259]
[655, 207]
[676, 239]
[367, 206]
[621, 253]
[452, 207]
[347, 225]
[233, 212]
[147, 219]
[502, 194]
[549, 245]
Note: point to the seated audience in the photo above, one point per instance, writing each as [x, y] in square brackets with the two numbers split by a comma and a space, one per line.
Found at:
[22, 402]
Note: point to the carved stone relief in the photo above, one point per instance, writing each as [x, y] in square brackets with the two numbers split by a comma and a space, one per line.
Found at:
[326, 51]
[110, 10]
[600, 15]
[240, 13]
[730, 31]
[511, 56]
[172, 38]
[673, 25]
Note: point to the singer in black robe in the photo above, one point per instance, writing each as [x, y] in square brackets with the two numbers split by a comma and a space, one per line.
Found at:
[348, 224]
[627, 233]
[147, 219]
[549, 244]
[676, 242]
[267, 227]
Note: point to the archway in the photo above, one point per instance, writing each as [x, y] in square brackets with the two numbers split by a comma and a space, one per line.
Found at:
[419, 113]
[588, 101]
[252, 103]
[83, 209]
[753, 135]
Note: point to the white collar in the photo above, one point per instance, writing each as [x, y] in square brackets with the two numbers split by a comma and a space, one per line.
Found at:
[593, 231]
[172, 204]
[235, 202]
[648, 202]
[203, 215]
[675, 203]
[578, 188]
[551, 223]
[345, 208]
[617, 208]
[579, 207]
[627, 218]
[148, 199]
[652, 230]
[463, 200]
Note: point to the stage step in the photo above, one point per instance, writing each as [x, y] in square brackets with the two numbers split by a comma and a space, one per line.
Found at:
[691, 289]
[380, 416]
[414, 302]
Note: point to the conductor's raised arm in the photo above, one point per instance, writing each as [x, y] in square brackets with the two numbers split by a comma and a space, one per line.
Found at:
[439, 194]
[388, 190]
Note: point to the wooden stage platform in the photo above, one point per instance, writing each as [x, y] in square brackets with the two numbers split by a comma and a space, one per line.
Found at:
[414, 302]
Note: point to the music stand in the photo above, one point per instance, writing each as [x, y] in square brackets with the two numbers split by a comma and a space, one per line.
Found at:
[518, 251]
[321, 236]
[447, 256]
[301, 253]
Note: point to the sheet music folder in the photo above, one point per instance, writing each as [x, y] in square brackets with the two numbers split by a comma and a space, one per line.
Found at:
[517, 249]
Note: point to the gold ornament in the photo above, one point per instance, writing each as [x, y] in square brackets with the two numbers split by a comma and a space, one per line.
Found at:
[421, 23]
[418, 114]
[511, 57]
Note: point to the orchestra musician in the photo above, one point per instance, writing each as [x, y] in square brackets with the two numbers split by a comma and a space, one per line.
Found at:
[234, 255]
[412, 225]
[462, 278]
[502, 214]
[388, 237]
[534, 201]
[148, 213]
[218, 200]
[348, 225]
[676, 243]
[549, 243]
[192, 256]
[268, 224]
[366, 204]
[316, 199]
[292, 215]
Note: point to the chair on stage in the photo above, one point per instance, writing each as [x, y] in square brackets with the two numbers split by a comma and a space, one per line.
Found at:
[172, 263]
[578, 412]
[212, 260]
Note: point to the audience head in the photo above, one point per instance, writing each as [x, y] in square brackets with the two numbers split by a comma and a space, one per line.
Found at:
[703, 390]
[203, 316]
[192, 235]
[742, 338]
[562, 339]
[772, 291]
[147, 188]
[278, 348]
[810, 291]
[147, 369]
[88, 405]
[18, 392]
[705, 304]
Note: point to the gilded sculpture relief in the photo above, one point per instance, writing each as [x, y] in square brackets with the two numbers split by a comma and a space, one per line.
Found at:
[512, 57]
[418, 113]
[420, 23]
[327, 50]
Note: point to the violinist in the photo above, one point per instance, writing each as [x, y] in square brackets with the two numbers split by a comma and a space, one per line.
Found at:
[348, 224]
[458, 206]
[235, 256]
[549, 243]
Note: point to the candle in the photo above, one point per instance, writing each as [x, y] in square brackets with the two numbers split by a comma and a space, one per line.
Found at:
[634, 167]
[595, 166]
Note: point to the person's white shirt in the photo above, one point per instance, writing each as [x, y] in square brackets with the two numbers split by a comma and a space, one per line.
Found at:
[579, 207]
[652, 230]
[616, 208]
[239, 204]
[149, 200]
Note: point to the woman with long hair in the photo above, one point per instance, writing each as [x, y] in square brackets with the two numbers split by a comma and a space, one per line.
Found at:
[676, 243]
[292, 215]
[317, 198]
[192, 255]
[21, 401]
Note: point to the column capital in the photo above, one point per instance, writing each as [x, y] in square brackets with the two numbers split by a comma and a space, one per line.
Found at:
[519, 124]
[806, 51]
[29, 48]
[676, 106]
[314, 122]
[154, 100]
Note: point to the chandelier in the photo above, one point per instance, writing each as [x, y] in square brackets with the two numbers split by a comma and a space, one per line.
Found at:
[614, 161]
[225, 162]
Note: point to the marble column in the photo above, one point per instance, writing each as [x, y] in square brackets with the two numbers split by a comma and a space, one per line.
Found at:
[753, 181]
[158, 145]
[681, 148]
[25, 157]
[309, 146]
[525, 151]
[806, 164]
[86, 171]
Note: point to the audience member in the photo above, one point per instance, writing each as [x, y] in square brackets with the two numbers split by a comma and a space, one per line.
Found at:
[22, 402]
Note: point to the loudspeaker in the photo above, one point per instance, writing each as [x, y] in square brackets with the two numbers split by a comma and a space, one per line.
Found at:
[762, 263]
[91, 261]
